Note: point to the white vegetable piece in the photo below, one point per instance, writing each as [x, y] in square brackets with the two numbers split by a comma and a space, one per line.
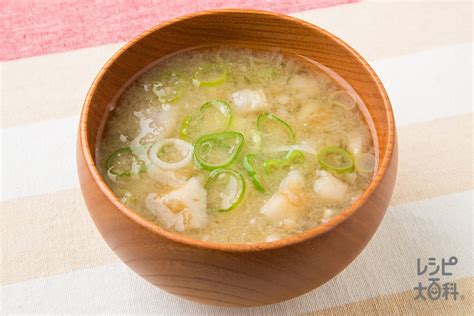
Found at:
[246, 101]
[303, 87]
[285, 207]
[158, 123]
[356, 143]
[328, 213]
[272, 237]
[330, 188]
[307, 111]
[165, 120]
[183, 208]
[166, 177]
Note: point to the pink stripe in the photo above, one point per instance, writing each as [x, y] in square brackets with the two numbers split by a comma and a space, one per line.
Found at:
[39, 27]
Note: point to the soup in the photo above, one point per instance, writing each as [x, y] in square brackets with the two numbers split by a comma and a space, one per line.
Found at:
[237, 146]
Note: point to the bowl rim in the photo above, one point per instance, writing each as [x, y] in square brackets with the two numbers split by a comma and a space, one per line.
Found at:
[236, 247]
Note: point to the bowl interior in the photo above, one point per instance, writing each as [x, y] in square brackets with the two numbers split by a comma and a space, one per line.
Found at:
[249, 29]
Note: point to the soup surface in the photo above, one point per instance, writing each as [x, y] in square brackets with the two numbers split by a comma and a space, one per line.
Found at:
[235, 145]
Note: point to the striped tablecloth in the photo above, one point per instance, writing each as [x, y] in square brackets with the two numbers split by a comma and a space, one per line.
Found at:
[53, 258]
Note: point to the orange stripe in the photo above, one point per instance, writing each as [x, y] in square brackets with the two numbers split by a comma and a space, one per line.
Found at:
[435, 158]
[403, 303]
[47, 235]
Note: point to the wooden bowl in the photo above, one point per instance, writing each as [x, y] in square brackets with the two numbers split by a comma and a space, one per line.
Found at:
[237, 274]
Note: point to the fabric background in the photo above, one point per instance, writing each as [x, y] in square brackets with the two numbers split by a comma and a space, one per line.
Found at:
[54, 260]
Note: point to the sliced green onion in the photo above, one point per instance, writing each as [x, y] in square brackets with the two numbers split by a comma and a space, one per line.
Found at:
[265, 118]
[225, 189]
[210, 75]
[342, 98]
[249, 162]
[222, 106]
[169, 88]
[220, 111]
[336, 159]
[185, 126]
[124, 163]
[289, 158]
[217, 150]
[365, 163]
[184, 148]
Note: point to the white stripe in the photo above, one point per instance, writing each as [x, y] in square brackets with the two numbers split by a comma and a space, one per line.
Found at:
[40, 158]
[436, 228]
[430, 84]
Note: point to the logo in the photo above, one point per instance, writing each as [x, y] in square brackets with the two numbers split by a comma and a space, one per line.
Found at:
[435, 289]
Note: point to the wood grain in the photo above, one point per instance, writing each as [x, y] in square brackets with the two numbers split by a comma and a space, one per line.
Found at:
[237, 274]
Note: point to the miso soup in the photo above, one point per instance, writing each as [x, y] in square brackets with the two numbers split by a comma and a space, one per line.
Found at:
[237, 146]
